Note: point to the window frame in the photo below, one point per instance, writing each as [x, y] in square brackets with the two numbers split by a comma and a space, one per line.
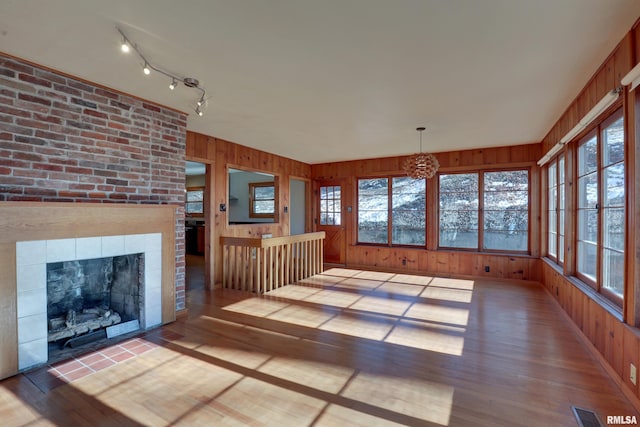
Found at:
[480, 247]
[597, 131]
[253, 200]
[559, 162]
[188, 190]
[390, 216]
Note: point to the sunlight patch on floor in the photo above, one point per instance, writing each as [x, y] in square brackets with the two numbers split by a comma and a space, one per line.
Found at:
[448, 294]
[431, 337]
[422, 399]
[323, 376]
[439, 314]
[256, 306]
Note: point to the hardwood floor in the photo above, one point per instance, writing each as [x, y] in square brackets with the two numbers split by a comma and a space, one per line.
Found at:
[344, 348]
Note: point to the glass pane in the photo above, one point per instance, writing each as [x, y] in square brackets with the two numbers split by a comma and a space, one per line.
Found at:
[588, 225]
[264, 206]
[561, 196]
[561, 249]
[613, 228]
[195, 195]
[372, 227]
[459, 238]
[613, 271]
[553, 218]
[588, 191]
[506, 240]
[506, 181]
[408, 210]
[506, 220]
[323, 193]
[452, 201]
[263, 193]
[587, 259]
[553, 198]
[614, 185]
[408, 228]
[552, 245]
[459, 182]
[561, 170]
[459, 229]
[409, 193]
[613, 143]
[194, 207]
[587, 157]
[561, 222]
[506, 201]
[551, 174]
[373, 212]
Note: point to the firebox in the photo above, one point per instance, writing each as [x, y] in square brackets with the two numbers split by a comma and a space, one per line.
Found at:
[87, 296]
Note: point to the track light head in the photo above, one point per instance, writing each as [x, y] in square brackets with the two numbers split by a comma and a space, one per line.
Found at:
[124, 47]
[199, 111]
[146, 69]
[173, 84]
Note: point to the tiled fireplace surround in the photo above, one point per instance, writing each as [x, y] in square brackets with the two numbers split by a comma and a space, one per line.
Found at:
[32, 258]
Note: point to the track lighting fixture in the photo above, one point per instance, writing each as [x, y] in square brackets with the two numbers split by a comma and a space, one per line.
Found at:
[189, 82]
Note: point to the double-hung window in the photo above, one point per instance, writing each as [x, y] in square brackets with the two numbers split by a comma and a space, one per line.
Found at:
[600, 235]
[392, 210]
[555, 209]
[485, 211]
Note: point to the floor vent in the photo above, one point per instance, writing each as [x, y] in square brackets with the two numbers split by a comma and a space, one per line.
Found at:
[586, 418]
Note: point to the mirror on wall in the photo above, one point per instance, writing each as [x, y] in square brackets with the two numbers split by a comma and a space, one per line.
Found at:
[253, 197]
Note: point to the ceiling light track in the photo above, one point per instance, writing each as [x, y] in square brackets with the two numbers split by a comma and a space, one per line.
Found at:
[190, 82]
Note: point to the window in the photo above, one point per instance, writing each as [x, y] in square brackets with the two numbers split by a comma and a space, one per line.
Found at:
[459, 210]
[600, 208]
[392, 210]
[262, 199]
[555, 212]
[499, 200]
[330, 205]
[194, 205]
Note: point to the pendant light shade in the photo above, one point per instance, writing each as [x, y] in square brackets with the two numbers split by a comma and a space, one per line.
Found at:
[421, 165]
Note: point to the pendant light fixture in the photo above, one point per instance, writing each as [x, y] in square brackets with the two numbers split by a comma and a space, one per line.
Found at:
[421, 165]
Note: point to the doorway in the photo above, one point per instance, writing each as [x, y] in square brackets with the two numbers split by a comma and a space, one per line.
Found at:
[297, 206]
[195, 225]
[331, 221]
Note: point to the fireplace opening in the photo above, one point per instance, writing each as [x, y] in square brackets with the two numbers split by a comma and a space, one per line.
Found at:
[88, 300]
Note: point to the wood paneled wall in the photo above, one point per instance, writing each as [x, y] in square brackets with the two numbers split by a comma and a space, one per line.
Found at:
[432, 261]
[615, 337]
[606, 78]
[617, 344]
[24, 221]
[221, 155]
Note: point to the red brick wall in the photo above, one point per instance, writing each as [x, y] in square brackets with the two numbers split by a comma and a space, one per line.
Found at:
[63, 139]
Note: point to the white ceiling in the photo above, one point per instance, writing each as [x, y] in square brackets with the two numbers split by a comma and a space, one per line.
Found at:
[327, 80]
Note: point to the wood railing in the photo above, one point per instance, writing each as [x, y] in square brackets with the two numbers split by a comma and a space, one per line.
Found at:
[261, 265]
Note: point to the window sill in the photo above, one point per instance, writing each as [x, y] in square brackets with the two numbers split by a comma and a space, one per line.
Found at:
[603, 302]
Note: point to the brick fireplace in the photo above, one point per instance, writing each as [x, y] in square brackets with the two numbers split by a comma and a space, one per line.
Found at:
[79, 160]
